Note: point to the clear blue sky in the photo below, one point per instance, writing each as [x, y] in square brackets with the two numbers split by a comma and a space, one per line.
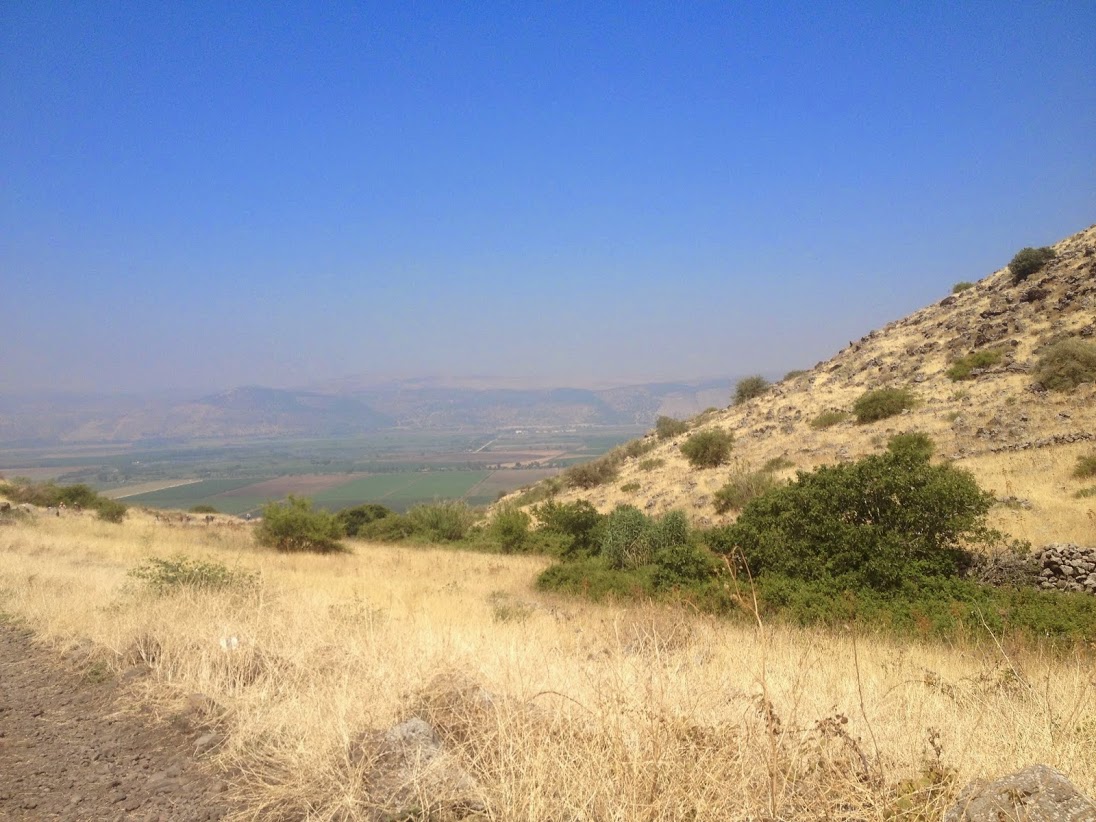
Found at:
[206, 195]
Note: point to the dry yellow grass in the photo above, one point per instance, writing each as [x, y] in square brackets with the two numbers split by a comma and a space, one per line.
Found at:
[600, 712]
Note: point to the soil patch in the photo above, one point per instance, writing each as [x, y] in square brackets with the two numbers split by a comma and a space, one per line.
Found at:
[75, 749]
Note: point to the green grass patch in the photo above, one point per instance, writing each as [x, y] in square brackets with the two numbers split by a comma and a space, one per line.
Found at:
[963, 368]
[882, 403]
[828, 419]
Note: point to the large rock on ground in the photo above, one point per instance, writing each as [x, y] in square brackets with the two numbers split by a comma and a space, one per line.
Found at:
[1035, 794]
[409, 773]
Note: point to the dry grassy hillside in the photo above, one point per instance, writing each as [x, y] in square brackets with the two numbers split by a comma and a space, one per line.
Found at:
[552, 709]
[1020, 441]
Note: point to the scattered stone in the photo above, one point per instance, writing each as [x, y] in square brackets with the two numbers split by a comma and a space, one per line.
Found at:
[1035, 794]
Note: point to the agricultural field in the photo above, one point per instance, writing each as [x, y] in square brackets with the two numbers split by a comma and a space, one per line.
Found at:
[395, 468]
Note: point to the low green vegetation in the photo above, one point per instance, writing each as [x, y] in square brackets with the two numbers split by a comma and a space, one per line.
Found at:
[882, 403]
[651, 464]
[1029, 261]
[828, 419]
[742, 487]
[777, 464]
[667, 428]
[1086, 493]
[963, 368]
[708, 449]
[180, 573]
[791, 375]
[750, 387]
[49, 495]
[629, 487]
[1086, 467]
[294, 526]
[959, 288]
[883, 543]
[202, 509]
[591, 474]
[1066, 364]
[447, 521]
[637, 448]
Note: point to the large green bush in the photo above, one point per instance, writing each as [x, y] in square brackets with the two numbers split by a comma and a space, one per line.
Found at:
[873, 523]
[295, 526]
[353, 520]
[510, 528]
[876, 405]
[668, 427]
[1029, 261]
[1066, 364]
[579, 524]
[447, 521]
[749, 387]
[708, 449]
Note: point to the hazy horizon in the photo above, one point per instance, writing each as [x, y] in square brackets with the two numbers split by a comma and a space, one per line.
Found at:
[197, 198]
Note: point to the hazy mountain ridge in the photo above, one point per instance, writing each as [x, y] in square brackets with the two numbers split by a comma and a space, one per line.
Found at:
[1020, 441]
[343, 408]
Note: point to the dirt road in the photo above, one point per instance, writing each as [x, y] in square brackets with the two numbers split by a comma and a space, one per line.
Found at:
[73, 749]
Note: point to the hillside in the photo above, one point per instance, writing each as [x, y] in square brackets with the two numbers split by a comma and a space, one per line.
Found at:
[1020, 441]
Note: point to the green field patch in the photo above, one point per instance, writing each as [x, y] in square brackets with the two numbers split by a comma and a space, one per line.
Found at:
[400, 490]
[206, 492]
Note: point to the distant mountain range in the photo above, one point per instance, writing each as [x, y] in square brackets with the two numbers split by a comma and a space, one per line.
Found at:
[345, 407]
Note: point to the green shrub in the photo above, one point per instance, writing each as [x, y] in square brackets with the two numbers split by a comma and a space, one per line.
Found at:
[167, 576]
[1029, 261]
[1086, 493]
[1066, 364]
[959, 288]
[961, 369]
[578, 522]
[914, 444]
[881, 404]
[668, 427]
[791, 375]
[392, 528]
[543, 490]
[594, 578]
[777, 464]
[202, 509]
[624, 541]
[1086, 467]
[868, 524]
[110, 510]
[48, 494]
[742, 487]
[447, 521]
[708, 449]
[510, 528]
[629, 487]
[594, 473]
[651, 464]
[828, 419]
[295, 526]
[637, 448]
[352, 520]
[749, 387]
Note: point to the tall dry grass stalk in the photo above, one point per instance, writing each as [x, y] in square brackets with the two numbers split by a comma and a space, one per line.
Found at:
[558, 709]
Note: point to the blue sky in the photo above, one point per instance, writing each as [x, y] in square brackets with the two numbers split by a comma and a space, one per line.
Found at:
[204, 195]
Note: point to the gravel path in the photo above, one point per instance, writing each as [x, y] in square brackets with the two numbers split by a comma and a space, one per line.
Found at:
[72, 749]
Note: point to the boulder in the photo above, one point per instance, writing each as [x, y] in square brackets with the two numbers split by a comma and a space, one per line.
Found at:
[1035, 794]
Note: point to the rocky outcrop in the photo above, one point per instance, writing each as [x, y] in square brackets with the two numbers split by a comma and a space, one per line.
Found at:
[1035, 794]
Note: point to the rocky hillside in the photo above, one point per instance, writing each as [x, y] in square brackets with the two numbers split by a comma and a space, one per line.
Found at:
[1020, 440]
